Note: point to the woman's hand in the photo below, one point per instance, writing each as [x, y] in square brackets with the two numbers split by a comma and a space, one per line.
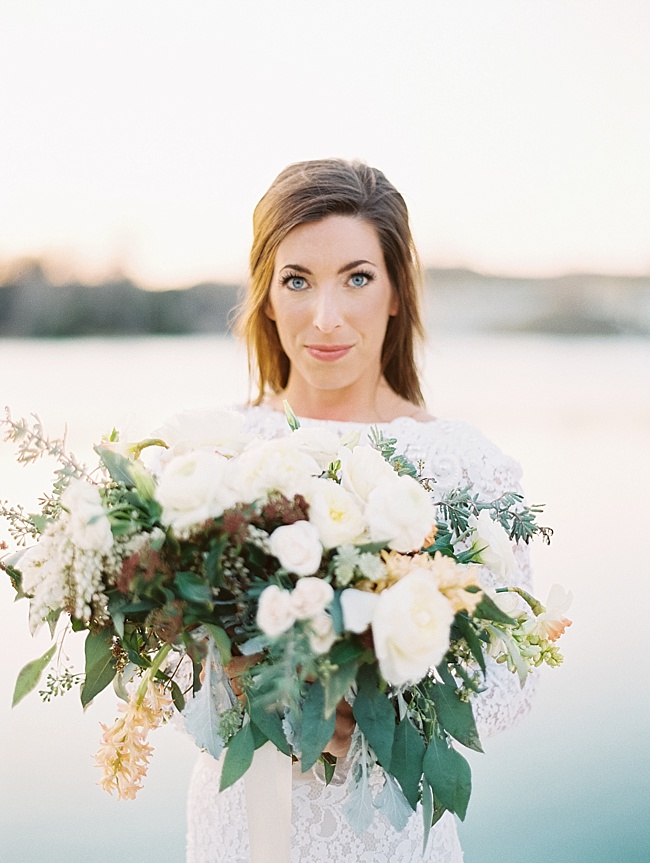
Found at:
[236, 667]
[345, 724]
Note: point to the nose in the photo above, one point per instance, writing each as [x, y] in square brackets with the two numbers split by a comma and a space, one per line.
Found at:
[327, 310]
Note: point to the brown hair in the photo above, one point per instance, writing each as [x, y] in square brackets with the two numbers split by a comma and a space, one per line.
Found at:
[308, 192]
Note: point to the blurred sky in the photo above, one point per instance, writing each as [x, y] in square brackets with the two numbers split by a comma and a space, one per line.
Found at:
[137, 135]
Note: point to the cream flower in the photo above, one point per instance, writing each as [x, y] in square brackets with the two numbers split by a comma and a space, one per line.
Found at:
[334, 513]
[551, 623]
[321, 633]
[453, 581]
[191, 490]
[358, 607]
[493, 543]
[268, 466]
[319, 443]
[311, 597]
[362, 469]
[400, 512]
[88, 526]
[275, 613]
[297, 547]
[189, 430]
[410, 627]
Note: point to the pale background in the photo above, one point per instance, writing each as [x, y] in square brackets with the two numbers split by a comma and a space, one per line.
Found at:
[137, 136]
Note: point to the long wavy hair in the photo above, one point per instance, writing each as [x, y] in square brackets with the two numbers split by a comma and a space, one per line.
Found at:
[307, 192]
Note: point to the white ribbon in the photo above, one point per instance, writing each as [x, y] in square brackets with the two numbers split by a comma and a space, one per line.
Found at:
[267, 787]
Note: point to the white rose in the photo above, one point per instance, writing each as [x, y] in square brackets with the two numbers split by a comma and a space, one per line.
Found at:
[320, 443]
[335, 513]
[220, 429]
[494, 545]
[362, 469]
[310, 597]
[270, 466]
[297, 547]
[275, 612]
[191, 489]
[400, 512]
[410, 628]
[358, 607]
[321, 635]
[88, 526]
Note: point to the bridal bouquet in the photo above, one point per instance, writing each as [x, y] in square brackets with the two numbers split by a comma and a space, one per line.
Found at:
[335, 567]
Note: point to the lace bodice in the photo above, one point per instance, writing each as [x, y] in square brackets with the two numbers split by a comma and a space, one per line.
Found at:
[453, 453]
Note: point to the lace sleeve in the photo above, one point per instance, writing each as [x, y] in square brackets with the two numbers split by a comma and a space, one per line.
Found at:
[457, 454]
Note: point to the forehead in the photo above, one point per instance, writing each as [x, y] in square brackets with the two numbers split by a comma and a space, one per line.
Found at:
[330, 242]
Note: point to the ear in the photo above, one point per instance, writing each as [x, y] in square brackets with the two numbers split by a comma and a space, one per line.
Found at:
[268, 309]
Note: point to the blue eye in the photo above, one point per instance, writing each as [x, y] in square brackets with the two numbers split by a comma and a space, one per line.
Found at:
[295, 283]
[359, 280]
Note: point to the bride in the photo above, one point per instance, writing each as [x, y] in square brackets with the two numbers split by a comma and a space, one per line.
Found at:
[332, 322]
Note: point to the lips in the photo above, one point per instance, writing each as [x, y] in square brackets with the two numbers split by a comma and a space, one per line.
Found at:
[328, 353]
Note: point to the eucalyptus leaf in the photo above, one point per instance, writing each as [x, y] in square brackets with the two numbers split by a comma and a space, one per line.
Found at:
[270, 723]
[239, 756]
[406, 759]
[193, 588]
[487, 609]
[100, 664]
[427, 812]
[119, 467]
[449, 775]
[30, 674]
[456, 715]
[374, 714]
[317, 730]
[221, 640]
[338, 684]
[474, 643]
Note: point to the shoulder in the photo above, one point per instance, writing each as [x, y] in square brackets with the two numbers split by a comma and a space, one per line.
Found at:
[455, 453]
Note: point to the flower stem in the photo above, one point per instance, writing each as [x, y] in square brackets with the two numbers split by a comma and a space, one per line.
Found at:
[158, 660]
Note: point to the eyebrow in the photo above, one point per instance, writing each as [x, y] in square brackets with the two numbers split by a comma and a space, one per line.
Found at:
[343, 269]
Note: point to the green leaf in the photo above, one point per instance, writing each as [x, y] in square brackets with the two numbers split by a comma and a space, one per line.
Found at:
[317, 730]
[40, 522]
[221, 640]
[337, 685]
[52, 619]
[239, 756]
[375, 715]
[269, 723]
[406, 759]
[473, 641]
[100, 664]
[193, 588]
[119, 467]
[449, 775]
[329, 766]
[30, 674]
[213, 569]
[487, 609]
[456, 716]
[427, 812]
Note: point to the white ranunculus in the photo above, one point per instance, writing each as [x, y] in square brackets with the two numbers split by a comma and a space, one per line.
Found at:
[358, 607]
[494, 545]
[321, 635]
[275, 611]
[191, 489]
[362, 469]
[268, 466]
[335, 513]
[220, 429]
[410, 628]
[310, 597]
[320, 443]
[400, 512]
[88, 526]
[297, 547]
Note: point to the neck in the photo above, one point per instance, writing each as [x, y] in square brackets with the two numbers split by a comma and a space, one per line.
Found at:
[381, 404]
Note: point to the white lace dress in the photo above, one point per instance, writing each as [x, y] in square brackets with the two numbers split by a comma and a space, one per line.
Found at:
[454, 453]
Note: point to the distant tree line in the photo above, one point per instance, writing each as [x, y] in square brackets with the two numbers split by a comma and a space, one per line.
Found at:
[457, 300]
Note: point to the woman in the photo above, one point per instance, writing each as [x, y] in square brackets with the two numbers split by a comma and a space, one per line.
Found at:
[331, 322]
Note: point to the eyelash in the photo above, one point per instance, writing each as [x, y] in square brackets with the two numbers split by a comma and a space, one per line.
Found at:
[289, 276]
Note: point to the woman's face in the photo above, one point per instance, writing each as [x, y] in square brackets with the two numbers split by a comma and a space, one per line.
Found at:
[331, 299]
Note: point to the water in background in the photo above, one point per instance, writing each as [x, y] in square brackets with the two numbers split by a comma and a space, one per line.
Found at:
[571, 783]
